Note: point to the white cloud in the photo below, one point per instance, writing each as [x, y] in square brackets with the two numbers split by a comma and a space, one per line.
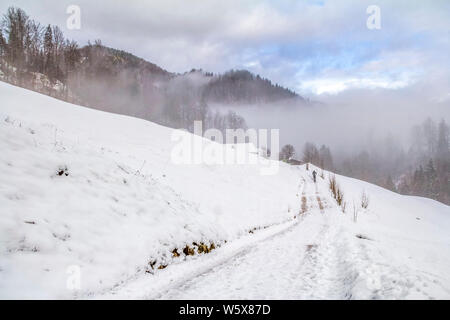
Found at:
[334, 86]
[308, 38]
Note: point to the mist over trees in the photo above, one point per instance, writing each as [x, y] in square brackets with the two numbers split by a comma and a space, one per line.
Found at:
[241, 86]
[287, 152]
[40, 58]
[431, 159]
[422, 169]
[320, 157]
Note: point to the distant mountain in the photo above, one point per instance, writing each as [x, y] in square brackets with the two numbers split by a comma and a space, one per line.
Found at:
[241, 86]
[126, 60]
[128, 72]
[117, 81]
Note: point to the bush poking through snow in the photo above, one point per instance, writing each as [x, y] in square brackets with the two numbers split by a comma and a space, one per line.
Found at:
[203, 248]
[304, 205]
[151, 264]
[188, 251]
[339, 197]
[319, 201]
[344, 206]
[332, 184]
[364, 200]
[175, 253]
[336, 191]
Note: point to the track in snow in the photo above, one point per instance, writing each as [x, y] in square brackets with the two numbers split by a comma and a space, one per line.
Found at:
[315, 256]
[305, 262]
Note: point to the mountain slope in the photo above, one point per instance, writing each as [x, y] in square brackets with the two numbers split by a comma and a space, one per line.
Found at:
[123, 202]
[116, 81]
[102, 192]
[241, 86]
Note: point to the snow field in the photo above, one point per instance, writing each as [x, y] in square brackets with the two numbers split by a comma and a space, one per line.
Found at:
[100, 192]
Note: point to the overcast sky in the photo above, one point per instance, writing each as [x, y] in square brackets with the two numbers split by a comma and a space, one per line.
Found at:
[314, 47]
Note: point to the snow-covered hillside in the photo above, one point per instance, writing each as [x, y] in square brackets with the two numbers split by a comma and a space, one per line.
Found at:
[100, 192]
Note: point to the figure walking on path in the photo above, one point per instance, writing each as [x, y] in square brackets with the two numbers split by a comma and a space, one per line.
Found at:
[314, 175]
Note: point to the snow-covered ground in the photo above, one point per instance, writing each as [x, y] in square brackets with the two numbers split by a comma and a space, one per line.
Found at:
[85, 189]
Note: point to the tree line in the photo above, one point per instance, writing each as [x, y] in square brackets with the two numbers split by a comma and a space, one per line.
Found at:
[431, 155]
[26, 46]
[319, 156]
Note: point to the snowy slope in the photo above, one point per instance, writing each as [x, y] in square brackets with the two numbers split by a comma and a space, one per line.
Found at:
[124, 203]
[324, 254]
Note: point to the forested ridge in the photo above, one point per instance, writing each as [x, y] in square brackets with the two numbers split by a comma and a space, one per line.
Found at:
[40, 58]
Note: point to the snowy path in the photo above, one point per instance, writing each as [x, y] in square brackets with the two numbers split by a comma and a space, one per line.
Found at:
[296, 260]
[302, 263]
[316, 256]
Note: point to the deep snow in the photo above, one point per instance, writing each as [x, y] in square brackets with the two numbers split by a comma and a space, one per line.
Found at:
[124, 203]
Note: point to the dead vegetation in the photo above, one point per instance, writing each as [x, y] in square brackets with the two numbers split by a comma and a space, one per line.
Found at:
[340, 197]
[344, 206]
[188, 250]
[336, 192]
[175, 253]
[304, 205]
[332, 184]
[319, 201]
[364, 200]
